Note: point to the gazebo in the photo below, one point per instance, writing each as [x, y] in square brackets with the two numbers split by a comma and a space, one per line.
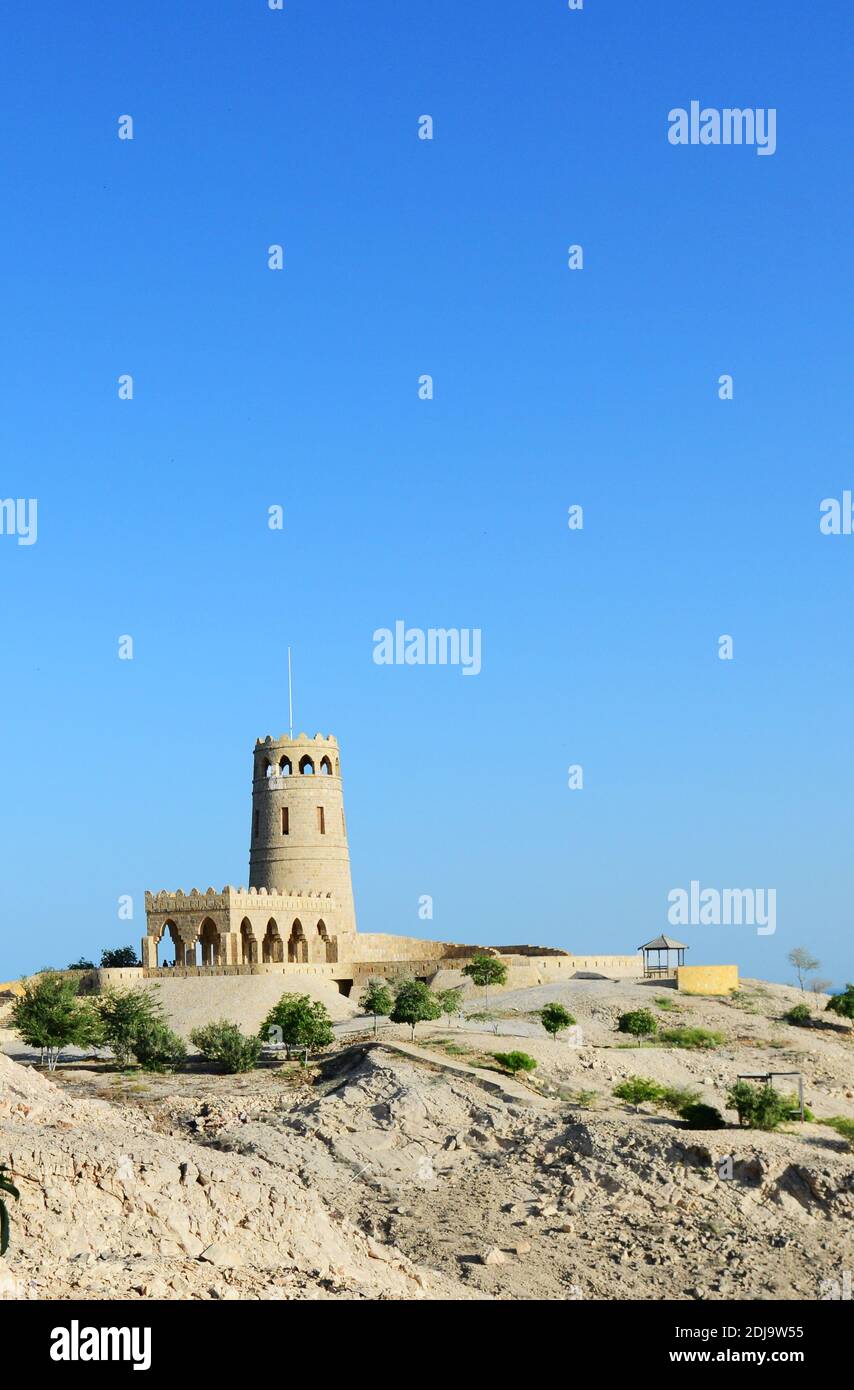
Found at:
[661, 945]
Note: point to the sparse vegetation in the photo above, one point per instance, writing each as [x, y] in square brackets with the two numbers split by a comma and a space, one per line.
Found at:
[677, 1098]
[843, 1127]
[223, 1042]
[486, 970]
[640, 1023]
[666, 1004]
[515, 1061]
[554, 1018]
[415, 1003]
[691, 1037]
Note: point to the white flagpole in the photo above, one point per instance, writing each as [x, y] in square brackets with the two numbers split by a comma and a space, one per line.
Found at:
[290, 696]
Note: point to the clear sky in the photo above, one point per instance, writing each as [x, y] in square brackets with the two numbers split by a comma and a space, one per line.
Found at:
[299, 388]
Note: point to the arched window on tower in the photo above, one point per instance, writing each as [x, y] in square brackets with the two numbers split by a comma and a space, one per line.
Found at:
[325, 766]
[306, 766]
[285, 767]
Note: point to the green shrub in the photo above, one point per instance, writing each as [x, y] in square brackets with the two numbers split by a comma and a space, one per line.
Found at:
[676, 1098]
[666, 1004]
[641, 1023]
[638, 1089]
[798, 1015]
[121, 958]
[842, 1004]
[515, 1061]
[156, 1047]
[691, 1037]
[699, 1116]
[222, 1042]
[842, 1125]
[758, 1107]
[450, 1002]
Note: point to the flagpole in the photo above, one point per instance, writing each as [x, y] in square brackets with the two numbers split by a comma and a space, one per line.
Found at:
[290, 696]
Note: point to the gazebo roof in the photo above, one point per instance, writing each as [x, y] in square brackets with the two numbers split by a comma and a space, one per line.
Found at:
[663, 943]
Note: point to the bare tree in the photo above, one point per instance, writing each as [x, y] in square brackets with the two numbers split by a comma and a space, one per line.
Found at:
[804, 962]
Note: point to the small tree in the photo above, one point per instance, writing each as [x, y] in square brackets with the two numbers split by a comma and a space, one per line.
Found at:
[805, 963]
[7, 1189]
[122, 1012]
[819, 986]
[449, 1001]
[224, 1044]
[49, 1016]
[640, 1023]
[842, 1004]
[799, 1014]
[298, 1021]
[122, 958]
[82, 964]
[377, 1000]
[554, 1018]
[415, 1003]
[486, 970]
[515, 1061]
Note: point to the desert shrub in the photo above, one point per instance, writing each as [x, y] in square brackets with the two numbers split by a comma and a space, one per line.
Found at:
[641, 1023]
[691, 1037]
[793, 1105]
[415, 1003]
[676, 1098]
[299, 1022]
[842, 1125]
[758, 1107]
[699, 1116]
[638, 1089]
[121, 1012]
[49, 1016]
[843, 1004]
[515, 1061]
[798, 1015]
[662, 1002]
[156, 1047]
[222, 1042]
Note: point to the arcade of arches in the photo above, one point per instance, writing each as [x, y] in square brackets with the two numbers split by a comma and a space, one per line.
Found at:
[270, 945]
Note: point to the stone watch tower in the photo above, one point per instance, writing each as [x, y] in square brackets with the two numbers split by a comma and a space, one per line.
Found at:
[299, 834]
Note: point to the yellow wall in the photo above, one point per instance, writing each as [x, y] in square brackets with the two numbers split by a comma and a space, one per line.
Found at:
[706, 979]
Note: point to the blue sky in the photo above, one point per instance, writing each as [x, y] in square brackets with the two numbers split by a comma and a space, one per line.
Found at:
[552, 388]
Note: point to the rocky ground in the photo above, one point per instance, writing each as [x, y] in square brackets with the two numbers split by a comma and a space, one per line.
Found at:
[385, 1175]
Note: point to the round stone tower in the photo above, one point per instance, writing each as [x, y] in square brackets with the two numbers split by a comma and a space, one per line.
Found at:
[299, 835]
